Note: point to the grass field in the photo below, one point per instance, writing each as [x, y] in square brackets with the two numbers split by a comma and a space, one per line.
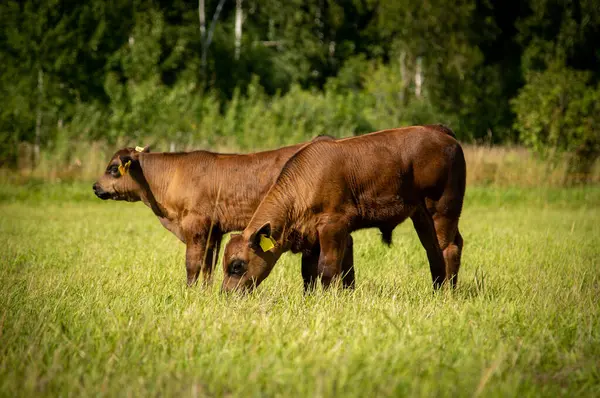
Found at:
[93, 302]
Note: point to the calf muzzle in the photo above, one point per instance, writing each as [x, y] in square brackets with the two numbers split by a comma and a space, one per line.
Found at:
[102, 194]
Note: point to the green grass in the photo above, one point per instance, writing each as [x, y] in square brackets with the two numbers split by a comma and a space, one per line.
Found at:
[93, 302]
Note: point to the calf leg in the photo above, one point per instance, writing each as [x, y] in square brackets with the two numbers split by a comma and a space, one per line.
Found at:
[333, 241]
[202, 246]
[211, 255]
[425, 229]
[451, 243]
[194, 255]
[348, 279]
[310, 267]
[452, 256]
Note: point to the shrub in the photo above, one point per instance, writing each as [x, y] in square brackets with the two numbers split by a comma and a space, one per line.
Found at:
[558, 114]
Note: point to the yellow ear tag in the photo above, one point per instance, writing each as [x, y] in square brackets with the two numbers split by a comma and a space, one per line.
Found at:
[266, 242]
[139, 149]
[124, 168]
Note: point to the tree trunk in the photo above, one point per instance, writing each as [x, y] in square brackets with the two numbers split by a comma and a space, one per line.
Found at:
[202, 19]
[319, 21]
[418, 77]
[238, 28]
[404, 76]
[210, 33]
[38, 120]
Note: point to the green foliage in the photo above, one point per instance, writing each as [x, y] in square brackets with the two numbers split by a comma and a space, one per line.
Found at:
[138, 97]
[558, 111]
[113, 71]
[560, 30]
[445, 40]
[377, 88]
[257, 121]
[53, 55]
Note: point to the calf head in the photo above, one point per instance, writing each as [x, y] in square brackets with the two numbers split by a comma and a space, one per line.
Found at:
[249, 258]
[117, 182]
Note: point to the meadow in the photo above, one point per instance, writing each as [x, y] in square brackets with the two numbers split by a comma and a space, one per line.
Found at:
[93, 302]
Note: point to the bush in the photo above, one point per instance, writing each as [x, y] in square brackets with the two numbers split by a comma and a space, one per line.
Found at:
[558, 114]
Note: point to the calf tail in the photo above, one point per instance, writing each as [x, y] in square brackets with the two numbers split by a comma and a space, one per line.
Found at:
[386, 235]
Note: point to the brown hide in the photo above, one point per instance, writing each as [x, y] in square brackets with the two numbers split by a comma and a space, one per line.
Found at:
[198, 196]
[329, 189]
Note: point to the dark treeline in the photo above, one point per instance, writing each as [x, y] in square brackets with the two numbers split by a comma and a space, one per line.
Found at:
[256, 73]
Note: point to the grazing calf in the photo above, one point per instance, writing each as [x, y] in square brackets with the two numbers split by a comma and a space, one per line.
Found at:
[329, 189]
[199, 196]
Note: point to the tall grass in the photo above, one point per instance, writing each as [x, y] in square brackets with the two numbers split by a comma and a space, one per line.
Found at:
[506, 166]
[500, 166]
[94, 303]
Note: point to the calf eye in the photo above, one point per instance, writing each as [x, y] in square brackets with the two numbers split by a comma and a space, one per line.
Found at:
[114, 170]
[237, 267]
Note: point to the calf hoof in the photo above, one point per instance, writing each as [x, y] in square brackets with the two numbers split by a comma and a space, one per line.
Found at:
[192, 282]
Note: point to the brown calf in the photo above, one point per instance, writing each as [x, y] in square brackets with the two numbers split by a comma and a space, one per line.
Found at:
[198, 196]
[329, 189]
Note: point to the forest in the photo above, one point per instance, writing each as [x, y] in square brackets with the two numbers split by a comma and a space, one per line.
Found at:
[248, 74]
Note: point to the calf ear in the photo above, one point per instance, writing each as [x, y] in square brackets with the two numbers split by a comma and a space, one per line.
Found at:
[126, 162]
[262, 238]
[125, 159]
[133, 156]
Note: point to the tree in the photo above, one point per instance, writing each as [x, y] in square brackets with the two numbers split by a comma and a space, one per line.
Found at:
[558, 112]
[558, 108]
[54, 54]
[37, 45]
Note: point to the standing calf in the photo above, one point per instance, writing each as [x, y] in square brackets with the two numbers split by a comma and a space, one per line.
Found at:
[199, 196]
[330, 188]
